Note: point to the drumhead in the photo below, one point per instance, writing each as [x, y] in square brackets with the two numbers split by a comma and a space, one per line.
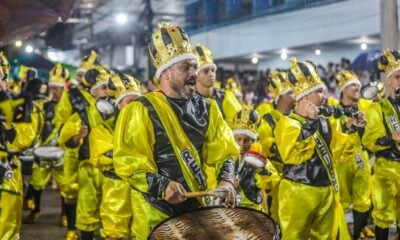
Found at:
[48, 152]
[217, 223]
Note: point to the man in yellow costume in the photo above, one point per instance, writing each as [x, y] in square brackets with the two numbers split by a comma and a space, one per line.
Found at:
[74, 137]
[382, 137]
[206, 71]
[355, 176]
[165, 141]
[310, 145]
[282, 104]
[76, 99]
[41, 175]
[19, 135]
[115, 209]
[255, 175]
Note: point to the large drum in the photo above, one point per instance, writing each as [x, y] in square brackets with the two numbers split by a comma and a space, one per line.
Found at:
[27, 158]
[214, 223]
[49, 156]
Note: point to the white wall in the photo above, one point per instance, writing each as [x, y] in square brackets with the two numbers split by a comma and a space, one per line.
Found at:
[342, 20]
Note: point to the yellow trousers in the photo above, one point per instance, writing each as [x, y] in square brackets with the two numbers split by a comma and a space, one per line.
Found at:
[116, 209]
[89, 197]
[69, 186]
[11, 206]
[386, 189]
[305, 212]
[355, 184]
[41, 176]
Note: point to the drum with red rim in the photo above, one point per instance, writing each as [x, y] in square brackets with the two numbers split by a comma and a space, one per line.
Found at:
[217, 223]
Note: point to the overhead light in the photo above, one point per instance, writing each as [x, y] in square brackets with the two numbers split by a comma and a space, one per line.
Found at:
[121, 18]
[18, 43]
[254, 60]
[29, 49]
[317, 52]
[363, 46]
[52, 55]
[284, 55]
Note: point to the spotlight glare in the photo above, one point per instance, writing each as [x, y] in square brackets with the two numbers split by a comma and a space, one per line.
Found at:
[363, 46]
[283, 55]
[18, 43]
[29, 49]
[121, 18]
[317, 52]
[254, 60]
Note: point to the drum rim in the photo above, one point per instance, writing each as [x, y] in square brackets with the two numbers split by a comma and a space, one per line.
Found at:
[276, 226]
[47, 147]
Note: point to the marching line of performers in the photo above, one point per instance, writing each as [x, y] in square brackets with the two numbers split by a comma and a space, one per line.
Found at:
[124, 161]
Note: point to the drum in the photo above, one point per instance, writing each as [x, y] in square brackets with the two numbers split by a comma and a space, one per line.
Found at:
[49, 156]
[218, 223]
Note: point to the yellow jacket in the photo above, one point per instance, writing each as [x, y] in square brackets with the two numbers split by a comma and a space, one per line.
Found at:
[265, 107]
[228, 104]
[101, 145]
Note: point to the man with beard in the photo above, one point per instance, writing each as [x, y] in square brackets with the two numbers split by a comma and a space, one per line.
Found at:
[164, 141]
[310, 145]
[382, 137]
[206, 71]
[355, 176]
[282, 104]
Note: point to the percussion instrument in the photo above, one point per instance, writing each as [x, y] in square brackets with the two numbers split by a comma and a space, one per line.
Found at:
[217, 223]
[49, 156]
[27, 158]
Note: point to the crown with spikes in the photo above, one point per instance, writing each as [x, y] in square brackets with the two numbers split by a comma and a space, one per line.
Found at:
[121, 85]
[58, 76]
[89, 61]
[389, 62]
[168, 45]
[246, 122]
[4, 67]
[346, 78]
[278, 84]
[204, 57]
[303, 78]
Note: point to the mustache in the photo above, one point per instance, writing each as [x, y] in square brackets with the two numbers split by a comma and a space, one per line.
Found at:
[190, 80]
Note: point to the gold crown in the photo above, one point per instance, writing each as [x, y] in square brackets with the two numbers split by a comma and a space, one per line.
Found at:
[168, 45]
[121, 85]
[278, 83]
[89, 61]
[204, 57]
[4, 67]
[246, 122]
[96, 76]
[346, 78]
[303, 78]
[58, 75]
[389, 62]
[232, 85]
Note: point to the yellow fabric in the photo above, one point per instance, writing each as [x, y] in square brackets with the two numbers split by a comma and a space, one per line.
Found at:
[331, 101]
[308, 215]
[90, 180]
[41, 176]
[134, 141]
[386, 186]
[231, 107]
[265, 108]
[266, 133]
[116, 209]
[101, 142]
[293, 151]
[11, 205]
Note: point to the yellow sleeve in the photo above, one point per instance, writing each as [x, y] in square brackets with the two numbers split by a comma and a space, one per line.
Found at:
[265, 108]
[266, 138]
[375, 128]
[219, 145]
[292, 150]
[71, 128]
[62, 111]
[343, 146]
[231, 106]
[133, 146]
[100, 142]
[27, 132]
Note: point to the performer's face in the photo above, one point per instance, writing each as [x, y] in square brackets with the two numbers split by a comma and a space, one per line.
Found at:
[55, 92]
[317, 97]
[181, 79]
[206, 77]
[352, 91]
[99, 92]
[394, 80]
[244, 142]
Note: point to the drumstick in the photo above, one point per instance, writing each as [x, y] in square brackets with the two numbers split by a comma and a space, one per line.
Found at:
[218, 193]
